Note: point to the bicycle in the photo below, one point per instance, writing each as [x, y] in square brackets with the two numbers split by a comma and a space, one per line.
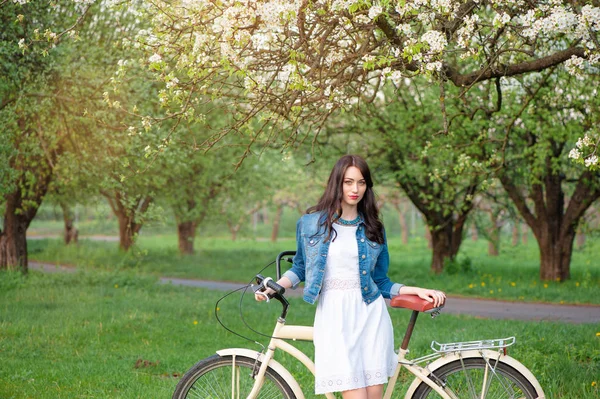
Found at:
[474, 369]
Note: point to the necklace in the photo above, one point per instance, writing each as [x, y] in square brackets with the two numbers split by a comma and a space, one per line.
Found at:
[345, 222]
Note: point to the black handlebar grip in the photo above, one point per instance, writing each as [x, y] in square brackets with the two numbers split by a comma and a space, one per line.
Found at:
[270, 283]
[275, 287]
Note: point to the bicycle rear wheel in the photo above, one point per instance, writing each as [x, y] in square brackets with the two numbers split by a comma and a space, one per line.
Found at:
[217, 377]
[473, 378]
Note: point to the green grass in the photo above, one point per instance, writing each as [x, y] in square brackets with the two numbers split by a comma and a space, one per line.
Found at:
[514, 275]
[105, 334]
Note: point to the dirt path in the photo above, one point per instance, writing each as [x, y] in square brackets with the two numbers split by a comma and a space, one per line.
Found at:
[483, 308]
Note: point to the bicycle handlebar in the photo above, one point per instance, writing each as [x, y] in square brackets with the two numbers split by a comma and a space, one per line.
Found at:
[268, 282]
[278, 295]
[278, 261]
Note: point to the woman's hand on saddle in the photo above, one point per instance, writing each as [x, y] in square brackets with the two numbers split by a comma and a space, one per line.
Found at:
[437, 297]
[434, 296]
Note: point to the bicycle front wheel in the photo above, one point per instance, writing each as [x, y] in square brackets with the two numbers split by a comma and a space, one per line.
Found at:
[474, 378]
[220, 377]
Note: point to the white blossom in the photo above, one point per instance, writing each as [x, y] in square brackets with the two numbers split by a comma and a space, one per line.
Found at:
[396, 76]
[436, 40]
[172, 83]
[155, 58]
[375, 11]
[586, 141]
[434, 66]
[574, 154]
[591, 161]
[501, 19]
[574, 65]
[590, 17]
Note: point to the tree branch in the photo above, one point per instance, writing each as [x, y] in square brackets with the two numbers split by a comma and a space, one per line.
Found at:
[586, 192]
[519, 200]
[529, 66]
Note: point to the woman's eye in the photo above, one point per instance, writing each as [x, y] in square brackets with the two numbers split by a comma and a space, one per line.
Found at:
[362, 183]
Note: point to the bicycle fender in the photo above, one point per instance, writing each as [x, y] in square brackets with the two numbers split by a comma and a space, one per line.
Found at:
[512, 362]
[274, 364]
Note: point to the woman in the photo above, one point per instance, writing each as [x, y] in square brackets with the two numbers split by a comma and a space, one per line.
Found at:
[343, 258]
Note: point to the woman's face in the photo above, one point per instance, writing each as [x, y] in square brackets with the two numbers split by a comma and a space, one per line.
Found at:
[354, 187]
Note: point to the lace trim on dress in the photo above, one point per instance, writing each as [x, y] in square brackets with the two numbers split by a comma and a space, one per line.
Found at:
[340, 383]
[340, 284]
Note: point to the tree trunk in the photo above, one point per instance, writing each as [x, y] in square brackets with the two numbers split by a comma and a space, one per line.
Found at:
[494, 235]
[403, 226]
[492, 248]
[580, 239]
[554, 224]
[524, 234]
[13, 241]
[71, 233]
[445, 246]
[402, 219]
[17, 217]
[555, 256]
[276, 222]
[186, 233]
[126, 216]
[515, 234]
[474, 233]
[126, 232]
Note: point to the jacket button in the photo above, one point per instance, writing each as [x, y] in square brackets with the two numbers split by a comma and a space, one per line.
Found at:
[364, 272]
[312, 241]
[364, 256]
[365, 288]
[362, 240]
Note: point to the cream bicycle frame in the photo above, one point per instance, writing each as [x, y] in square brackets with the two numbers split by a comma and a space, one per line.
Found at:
[305, 333]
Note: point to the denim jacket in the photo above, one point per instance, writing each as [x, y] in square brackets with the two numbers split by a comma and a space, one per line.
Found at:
[311, 258]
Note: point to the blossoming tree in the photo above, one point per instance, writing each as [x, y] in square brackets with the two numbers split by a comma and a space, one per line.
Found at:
[550, 193]
[298, 62]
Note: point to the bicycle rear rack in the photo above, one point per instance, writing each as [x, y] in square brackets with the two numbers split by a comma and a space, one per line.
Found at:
[472, 345]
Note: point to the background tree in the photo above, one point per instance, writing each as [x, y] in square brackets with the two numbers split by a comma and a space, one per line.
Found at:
[440, 176]
[393, 196]
[493, 211]
[35, 114]
[549, 192]
[193, 183]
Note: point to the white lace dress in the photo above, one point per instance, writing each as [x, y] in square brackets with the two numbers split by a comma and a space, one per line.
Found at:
[354, 342]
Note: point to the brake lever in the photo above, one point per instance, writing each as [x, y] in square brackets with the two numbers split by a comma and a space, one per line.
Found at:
[258, 291]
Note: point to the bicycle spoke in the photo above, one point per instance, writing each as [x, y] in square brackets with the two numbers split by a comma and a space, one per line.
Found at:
[474, 379]
[470, 384]
[230, 382]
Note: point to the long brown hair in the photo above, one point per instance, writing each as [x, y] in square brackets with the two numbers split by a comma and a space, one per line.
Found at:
[331, 200]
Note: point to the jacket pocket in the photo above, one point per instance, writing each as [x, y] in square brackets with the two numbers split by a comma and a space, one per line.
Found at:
[373, 251]
[373, 245]
[311, 245]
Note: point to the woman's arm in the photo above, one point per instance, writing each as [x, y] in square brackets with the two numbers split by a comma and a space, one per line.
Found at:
[295, 275]
[387, 287]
